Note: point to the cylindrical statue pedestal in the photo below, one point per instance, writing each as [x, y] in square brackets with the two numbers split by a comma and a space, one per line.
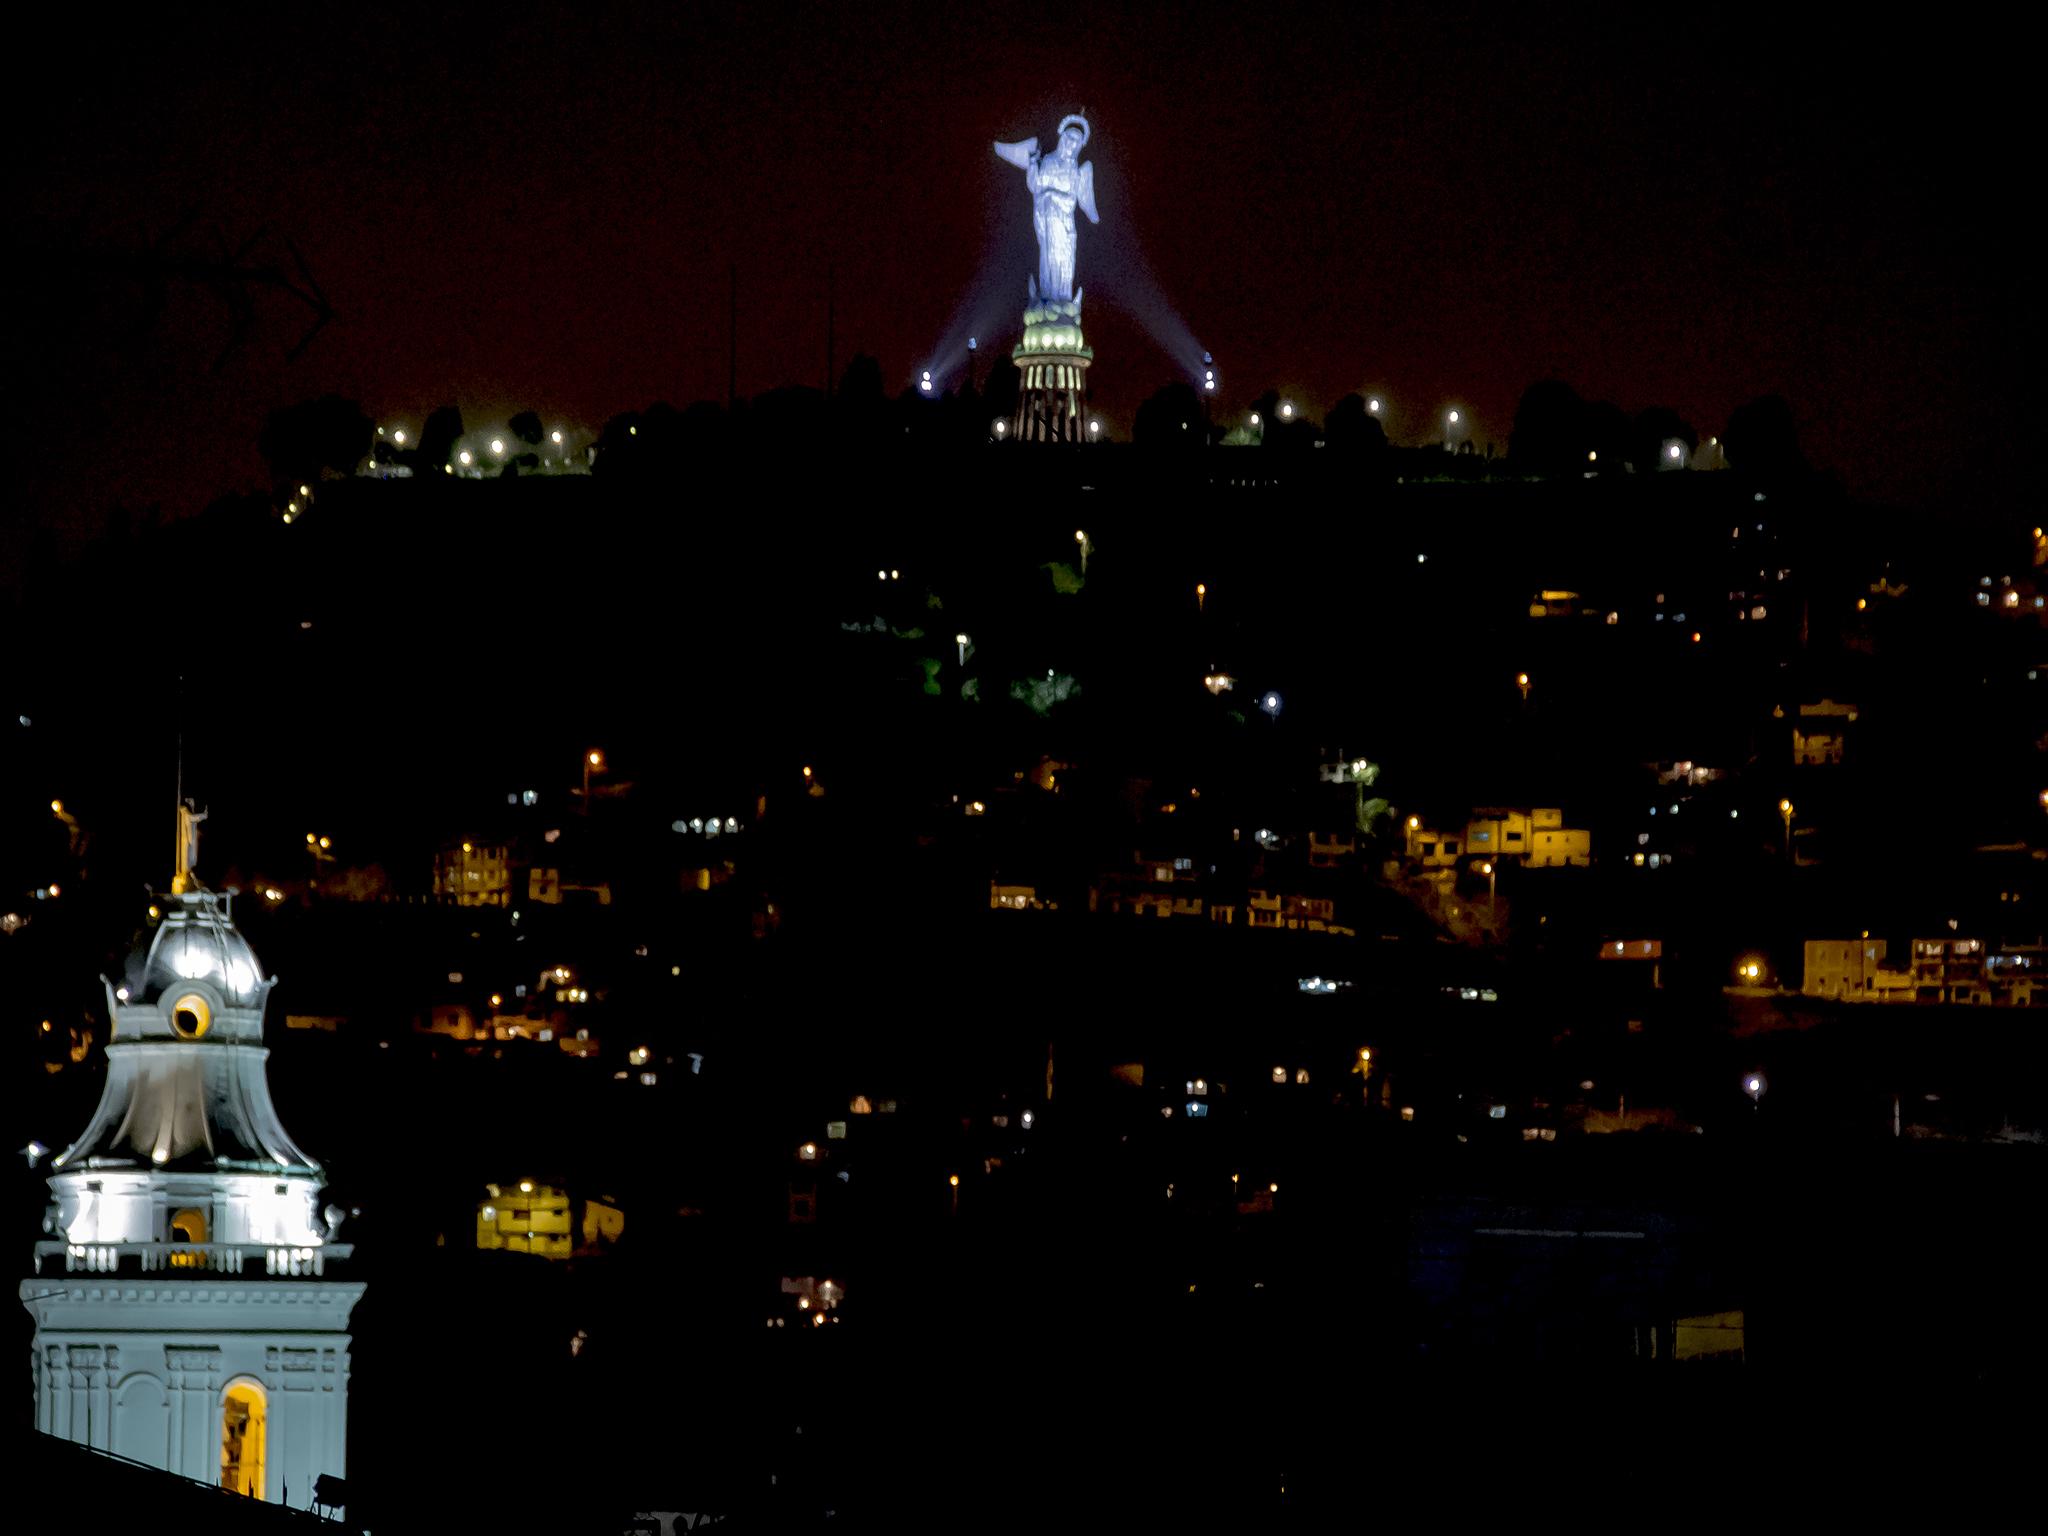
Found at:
[1052, 366]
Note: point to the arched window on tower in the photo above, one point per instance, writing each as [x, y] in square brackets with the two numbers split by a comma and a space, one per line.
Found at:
[244, 1412]
[188, 1226]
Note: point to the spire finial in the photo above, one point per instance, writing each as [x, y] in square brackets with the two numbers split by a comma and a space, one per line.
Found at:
[182, 878]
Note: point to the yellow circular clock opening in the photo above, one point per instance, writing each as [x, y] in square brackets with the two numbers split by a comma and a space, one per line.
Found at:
[190, 1016]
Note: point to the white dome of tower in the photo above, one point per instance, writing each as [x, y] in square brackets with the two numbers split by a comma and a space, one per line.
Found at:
[187, 1089]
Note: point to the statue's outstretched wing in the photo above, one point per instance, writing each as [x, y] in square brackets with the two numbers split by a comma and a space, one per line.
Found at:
[1019, 154]
[1087, 193]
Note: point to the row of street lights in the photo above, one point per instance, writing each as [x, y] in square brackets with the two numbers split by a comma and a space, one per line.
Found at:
[398, 437]
[1375, 407]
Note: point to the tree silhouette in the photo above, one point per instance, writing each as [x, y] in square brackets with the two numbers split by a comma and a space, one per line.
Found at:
[999, 393]
[703, 427]
[526, 427]
[861, 407]
[301, 440]
[618, 446]
[1351, 428]
[1608, 433]
[1552, 430]
[438, 438]
[1277, 430]
[1171, 418]
[783, 420]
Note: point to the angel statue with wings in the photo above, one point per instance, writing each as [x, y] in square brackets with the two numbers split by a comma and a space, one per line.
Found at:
[1057, 183]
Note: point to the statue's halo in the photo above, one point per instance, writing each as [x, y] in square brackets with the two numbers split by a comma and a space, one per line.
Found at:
[1075, 120]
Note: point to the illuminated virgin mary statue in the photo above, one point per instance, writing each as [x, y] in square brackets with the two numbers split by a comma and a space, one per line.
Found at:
[1058, 183]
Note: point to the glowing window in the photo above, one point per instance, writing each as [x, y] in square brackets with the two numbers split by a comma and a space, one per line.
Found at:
[190, 1016]
[244, 1410]
[188, 1226]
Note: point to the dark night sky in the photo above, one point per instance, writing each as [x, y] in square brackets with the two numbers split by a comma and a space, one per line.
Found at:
[536, 205]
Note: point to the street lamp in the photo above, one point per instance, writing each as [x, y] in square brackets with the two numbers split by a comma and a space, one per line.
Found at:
[317, 851]
[1522, 682]
[1081, 538]
[961, 641]
[1372, 405]
[1094, 429]
[1255, 418]
[1287, 410]
[1785, 810]
[1202, 592]
[1451, 422]
[593, 761]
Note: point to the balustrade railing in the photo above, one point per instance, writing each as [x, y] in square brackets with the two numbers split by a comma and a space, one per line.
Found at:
[284, 1261]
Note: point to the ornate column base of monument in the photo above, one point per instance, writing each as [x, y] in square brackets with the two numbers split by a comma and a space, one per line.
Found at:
[1052, 366]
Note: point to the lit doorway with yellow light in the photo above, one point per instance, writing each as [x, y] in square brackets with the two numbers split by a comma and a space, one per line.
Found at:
[243, 1416]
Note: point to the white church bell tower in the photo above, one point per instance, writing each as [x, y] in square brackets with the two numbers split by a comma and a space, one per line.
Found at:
[188, 1308]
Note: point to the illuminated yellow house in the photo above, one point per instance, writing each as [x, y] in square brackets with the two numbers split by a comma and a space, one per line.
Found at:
[525, 1218]
[1820, 732]
[1538, 837]
[473, 874]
